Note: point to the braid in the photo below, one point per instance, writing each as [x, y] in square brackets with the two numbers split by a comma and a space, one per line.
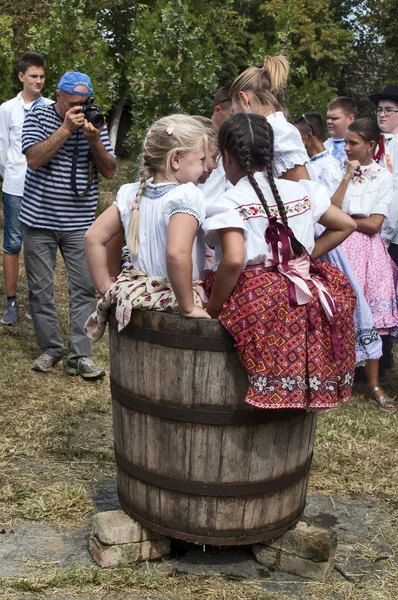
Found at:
[250, 140]
[133, 230]
[259, 192]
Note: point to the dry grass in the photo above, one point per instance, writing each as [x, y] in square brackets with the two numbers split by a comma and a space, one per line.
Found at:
[56, 445]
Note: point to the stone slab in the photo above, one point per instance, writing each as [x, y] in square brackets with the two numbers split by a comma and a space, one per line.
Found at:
[116, 527]
[42, 542]
[309, 541]
[125, 554]
[291, 563]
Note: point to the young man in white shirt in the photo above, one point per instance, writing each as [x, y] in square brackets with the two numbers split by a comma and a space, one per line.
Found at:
[341, 112]
[31, 68]
[387, 119]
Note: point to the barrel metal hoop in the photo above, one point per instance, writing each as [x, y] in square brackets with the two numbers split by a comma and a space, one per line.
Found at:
[202, 416]
[198, 488]
[179, 340]
[216, 538]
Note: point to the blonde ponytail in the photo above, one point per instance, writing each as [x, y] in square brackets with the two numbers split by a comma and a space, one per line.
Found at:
[268, 83]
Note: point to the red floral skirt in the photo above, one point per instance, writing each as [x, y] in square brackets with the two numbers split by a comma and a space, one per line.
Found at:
[287, 350]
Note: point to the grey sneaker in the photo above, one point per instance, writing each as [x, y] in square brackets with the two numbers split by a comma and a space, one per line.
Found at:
[10, 316]
[45, 362]
[85, 367]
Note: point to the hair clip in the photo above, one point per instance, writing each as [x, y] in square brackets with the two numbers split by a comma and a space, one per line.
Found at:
[170, 130]
[263, 68]
[133, 205]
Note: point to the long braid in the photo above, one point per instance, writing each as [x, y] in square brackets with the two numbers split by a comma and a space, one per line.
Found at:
[133, 230]
[250, 140]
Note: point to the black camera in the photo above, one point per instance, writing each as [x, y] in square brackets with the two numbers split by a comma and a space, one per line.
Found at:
[92, 114]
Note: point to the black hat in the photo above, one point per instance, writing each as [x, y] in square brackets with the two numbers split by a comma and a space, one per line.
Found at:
[390, 92]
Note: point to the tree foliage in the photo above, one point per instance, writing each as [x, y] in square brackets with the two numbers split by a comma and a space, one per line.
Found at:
[160, 56]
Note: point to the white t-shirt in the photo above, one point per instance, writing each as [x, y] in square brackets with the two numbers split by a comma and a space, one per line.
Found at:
[289, 149]
[305, 202]
[12, 161]
[157, 205]
[325, 169]
[369, 193]
[389, 230]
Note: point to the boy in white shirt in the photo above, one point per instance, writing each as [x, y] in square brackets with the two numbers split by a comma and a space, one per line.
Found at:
[31, 68]
[341, 112]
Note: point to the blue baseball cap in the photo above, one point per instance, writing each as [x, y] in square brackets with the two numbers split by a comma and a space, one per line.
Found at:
[73, 81]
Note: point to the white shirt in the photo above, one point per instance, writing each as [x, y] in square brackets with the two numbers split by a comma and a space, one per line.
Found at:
[289, 149]
[325, 169]
[336, 148]
[305, 202]
[369, 193]
[157, 205]
[389, 231]
[12, 161]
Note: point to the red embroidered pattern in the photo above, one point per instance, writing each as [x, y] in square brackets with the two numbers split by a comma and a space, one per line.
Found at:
[287, 350]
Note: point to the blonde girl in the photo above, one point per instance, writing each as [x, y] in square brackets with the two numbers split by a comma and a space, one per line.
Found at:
[160, 215]
[262, 91]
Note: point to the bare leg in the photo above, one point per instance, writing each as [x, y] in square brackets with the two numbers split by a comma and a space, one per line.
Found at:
[10, 273]
[372, 372]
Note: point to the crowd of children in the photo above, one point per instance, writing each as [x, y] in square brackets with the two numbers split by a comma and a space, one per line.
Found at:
[295, 231]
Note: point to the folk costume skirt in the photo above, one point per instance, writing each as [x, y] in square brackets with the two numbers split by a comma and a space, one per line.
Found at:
[289, 351]
[377, 275]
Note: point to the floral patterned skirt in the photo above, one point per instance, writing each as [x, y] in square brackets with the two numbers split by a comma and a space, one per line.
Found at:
[134, 289]
[377, 275]
[287, 350]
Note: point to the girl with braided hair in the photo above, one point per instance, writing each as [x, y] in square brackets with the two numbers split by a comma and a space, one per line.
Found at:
[292, 319]
[262, 91]
[160, 216]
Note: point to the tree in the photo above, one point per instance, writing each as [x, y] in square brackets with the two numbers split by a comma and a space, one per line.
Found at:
[6, 58]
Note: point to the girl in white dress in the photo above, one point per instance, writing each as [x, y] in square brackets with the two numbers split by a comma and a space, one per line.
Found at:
[261, 90]
[291, 318]
[366, 193]
[160, 215]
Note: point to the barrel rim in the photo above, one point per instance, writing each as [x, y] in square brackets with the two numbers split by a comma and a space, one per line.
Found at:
[266, 533]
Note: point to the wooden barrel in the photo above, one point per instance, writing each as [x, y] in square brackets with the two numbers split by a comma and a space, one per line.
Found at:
[194, 461]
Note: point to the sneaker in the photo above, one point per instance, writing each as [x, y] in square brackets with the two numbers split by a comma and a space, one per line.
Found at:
[45, 362]
[10, 316]
[85, 367]
[28, 316]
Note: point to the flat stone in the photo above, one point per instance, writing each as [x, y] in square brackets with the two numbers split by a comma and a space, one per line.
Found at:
[116, 527]
[124, 554]
[290, 563]
[309, 541]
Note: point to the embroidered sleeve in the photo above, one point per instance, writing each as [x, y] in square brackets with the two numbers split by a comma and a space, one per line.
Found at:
[186, 199]
[185, 210]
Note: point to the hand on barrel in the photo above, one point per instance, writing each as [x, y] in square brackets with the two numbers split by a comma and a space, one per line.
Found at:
[197, 313]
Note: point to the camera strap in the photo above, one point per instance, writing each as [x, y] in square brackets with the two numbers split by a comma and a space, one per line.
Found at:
[90, 171]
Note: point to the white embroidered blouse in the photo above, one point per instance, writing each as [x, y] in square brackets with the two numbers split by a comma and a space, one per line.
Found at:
[369, 192]
[305, 202]
[289, 149]
[158, 204]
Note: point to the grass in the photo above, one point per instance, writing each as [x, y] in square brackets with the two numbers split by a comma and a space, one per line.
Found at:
[56, 447]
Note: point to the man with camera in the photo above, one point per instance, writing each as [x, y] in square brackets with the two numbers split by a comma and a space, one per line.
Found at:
[66, 144]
